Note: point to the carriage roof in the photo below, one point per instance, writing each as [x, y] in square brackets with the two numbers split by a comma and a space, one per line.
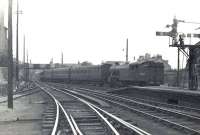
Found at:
[125, 66]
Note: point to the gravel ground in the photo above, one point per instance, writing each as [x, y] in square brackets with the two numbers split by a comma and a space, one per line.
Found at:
[25, 118]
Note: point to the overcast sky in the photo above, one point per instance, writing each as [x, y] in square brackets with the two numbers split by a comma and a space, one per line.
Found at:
[96, 30]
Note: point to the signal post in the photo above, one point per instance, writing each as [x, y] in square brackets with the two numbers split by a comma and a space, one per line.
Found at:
[178, 41]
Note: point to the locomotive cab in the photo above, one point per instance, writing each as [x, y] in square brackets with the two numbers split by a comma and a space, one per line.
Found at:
[149, 73]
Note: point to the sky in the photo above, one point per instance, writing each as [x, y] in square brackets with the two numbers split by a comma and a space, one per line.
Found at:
[96, 30]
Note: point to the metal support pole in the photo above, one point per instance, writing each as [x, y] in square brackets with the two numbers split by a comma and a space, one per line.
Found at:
[27, 68]
[127, 50]
[193, 85]
[17, 49]
[10, 57]
[24, 61]
[62, 58]
[178, 68]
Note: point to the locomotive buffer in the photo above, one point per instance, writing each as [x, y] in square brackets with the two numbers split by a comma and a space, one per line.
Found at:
[177, 40]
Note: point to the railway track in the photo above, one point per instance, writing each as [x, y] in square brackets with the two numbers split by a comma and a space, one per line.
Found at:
[56, 120]
[183, 109]
[186, 122]
[85, 117]
[21, 93]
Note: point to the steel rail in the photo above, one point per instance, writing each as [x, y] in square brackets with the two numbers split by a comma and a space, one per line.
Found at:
[58, 112]
[3, 99]
[68, 119]
[75, 125]
[171, 106]
[142, 132]
[186, 108]
[127, 125]
[155, 102]
[153, 116]
[102, 117]
[151, 106]
[87, 103]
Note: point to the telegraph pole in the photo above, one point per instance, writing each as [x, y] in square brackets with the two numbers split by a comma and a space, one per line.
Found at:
[17, 49]
[24, 60]
[27, 67]
[10, 57]
[127, 50]
[62, 58]
[178, 68]
[17, 44]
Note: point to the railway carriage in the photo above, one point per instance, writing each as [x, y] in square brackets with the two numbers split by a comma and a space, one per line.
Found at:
[95, 74]
[60, 74]
[85, 73]
[145, 73]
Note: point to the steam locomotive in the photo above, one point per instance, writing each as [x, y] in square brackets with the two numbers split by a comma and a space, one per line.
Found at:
[144, 73]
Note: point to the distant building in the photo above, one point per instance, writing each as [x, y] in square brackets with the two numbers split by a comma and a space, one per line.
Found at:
[86, 63]
[3, 41]
[157, 58]
[3, 51]
[114, 62]
[147, 56]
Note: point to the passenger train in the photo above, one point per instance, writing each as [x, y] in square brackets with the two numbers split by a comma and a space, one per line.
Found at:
[144, 73]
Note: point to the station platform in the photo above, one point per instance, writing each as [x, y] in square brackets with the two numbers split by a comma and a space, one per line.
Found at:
[171, 90]
[25, 118]
[171, 95]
